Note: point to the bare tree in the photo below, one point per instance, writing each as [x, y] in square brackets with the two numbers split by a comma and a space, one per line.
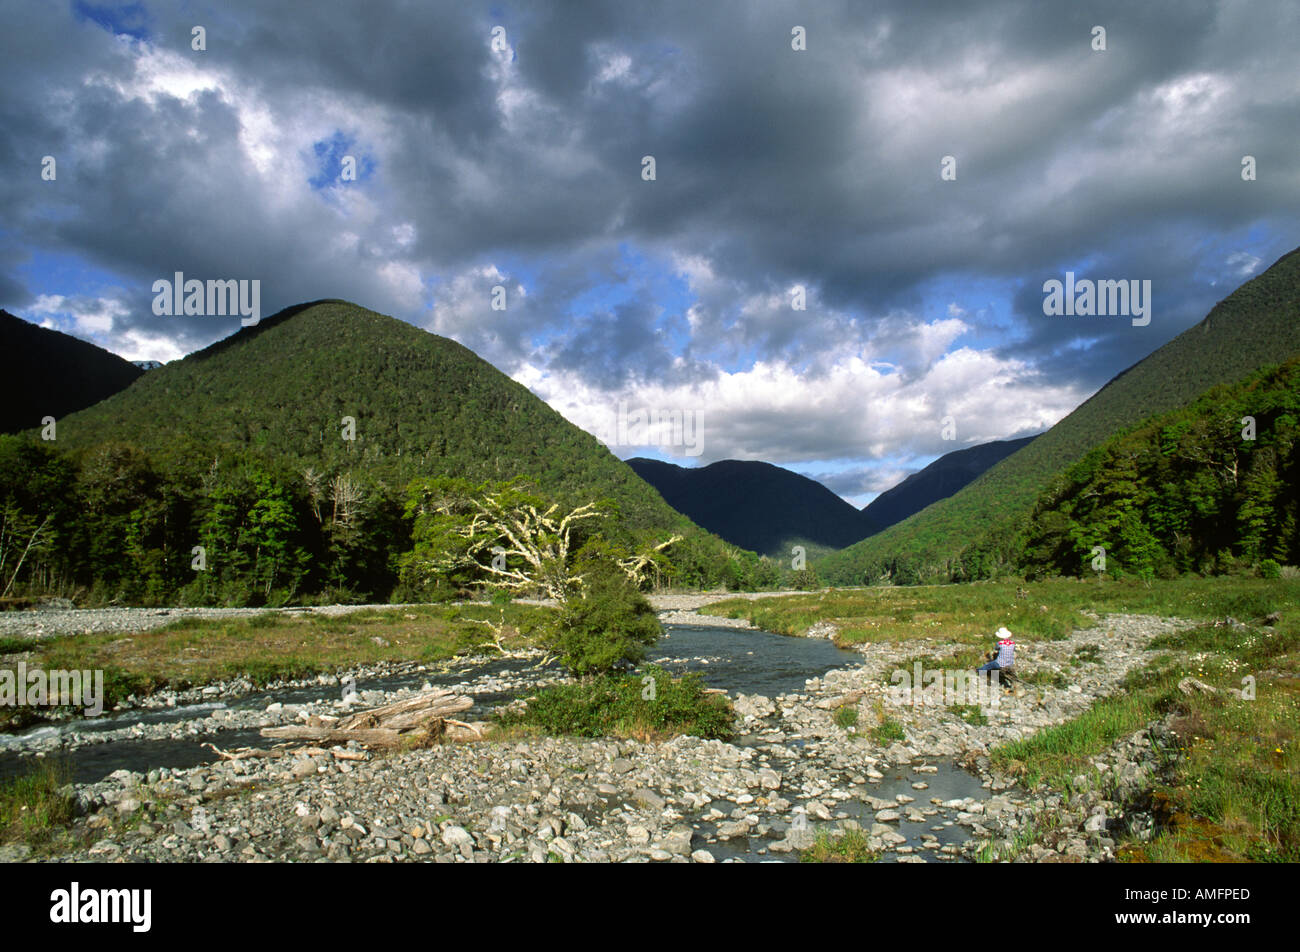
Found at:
[347, 497]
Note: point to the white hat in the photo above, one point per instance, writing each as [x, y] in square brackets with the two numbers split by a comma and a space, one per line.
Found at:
[1003, 633]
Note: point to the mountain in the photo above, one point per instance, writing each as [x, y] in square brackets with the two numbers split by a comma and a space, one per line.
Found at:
[148, 364]
[48, 373]
[939, 480]
[285, 452]
[756, 505]
[422, 405]
[975, 532]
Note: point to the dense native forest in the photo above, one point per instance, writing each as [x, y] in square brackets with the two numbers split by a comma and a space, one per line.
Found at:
[1201, 489]
[977, 532]
[287, 454]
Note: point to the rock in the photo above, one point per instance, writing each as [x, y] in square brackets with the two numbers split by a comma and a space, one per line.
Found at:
[621, 766]
[14, 852]
[753, 705]
[458, 838]
[678, 841]
[800, 839]
[732, 828]
[649, 799]
[887, 816]
[702, 856]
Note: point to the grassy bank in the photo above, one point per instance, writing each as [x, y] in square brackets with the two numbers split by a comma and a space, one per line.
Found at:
[1231, 792]
[267, 647]
[969, 614]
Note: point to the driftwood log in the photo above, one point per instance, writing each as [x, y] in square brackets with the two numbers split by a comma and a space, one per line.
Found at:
[425, 715]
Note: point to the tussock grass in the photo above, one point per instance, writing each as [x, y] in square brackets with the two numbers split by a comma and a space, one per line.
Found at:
[32, 808]
[850, 847]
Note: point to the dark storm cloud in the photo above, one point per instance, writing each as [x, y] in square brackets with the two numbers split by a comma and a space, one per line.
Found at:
[774, 168]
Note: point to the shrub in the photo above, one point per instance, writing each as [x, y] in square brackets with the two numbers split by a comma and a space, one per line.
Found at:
[628, 705]
[607, 627]
[806, 580]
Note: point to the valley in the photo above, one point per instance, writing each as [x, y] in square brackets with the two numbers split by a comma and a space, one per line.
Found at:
[799, 778]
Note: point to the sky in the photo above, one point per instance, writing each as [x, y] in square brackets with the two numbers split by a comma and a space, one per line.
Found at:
[911, 173]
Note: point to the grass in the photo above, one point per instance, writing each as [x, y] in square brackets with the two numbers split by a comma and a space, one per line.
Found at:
[32, 808]
[887, 732]
[971, 613]
[619, 706]
[846, 716]
[15, 645]
[1086, 654]
[966, 614]
[272, 646]
[969, 714]
[1042, 678]
[993, 851]
[852, 846]
[1057, 754]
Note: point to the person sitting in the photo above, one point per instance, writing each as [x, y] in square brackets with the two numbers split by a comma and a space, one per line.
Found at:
[1003, 658]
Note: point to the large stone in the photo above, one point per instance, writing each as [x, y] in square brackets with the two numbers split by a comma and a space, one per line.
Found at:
[458, 839]
[678, 841]
[649, 799]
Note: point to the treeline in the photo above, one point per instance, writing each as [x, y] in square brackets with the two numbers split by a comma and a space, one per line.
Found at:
[115, 525]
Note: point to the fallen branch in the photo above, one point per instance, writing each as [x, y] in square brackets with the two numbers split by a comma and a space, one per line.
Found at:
[425, 716]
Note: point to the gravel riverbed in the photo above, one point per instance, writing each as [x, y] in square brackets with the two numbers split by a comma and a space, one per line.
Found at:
[791, 773]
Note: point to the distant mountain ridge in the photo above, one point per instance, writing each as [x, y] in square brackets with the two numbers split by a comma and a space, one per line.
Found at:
[48, 373]
[945, 476]
[756, 505]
